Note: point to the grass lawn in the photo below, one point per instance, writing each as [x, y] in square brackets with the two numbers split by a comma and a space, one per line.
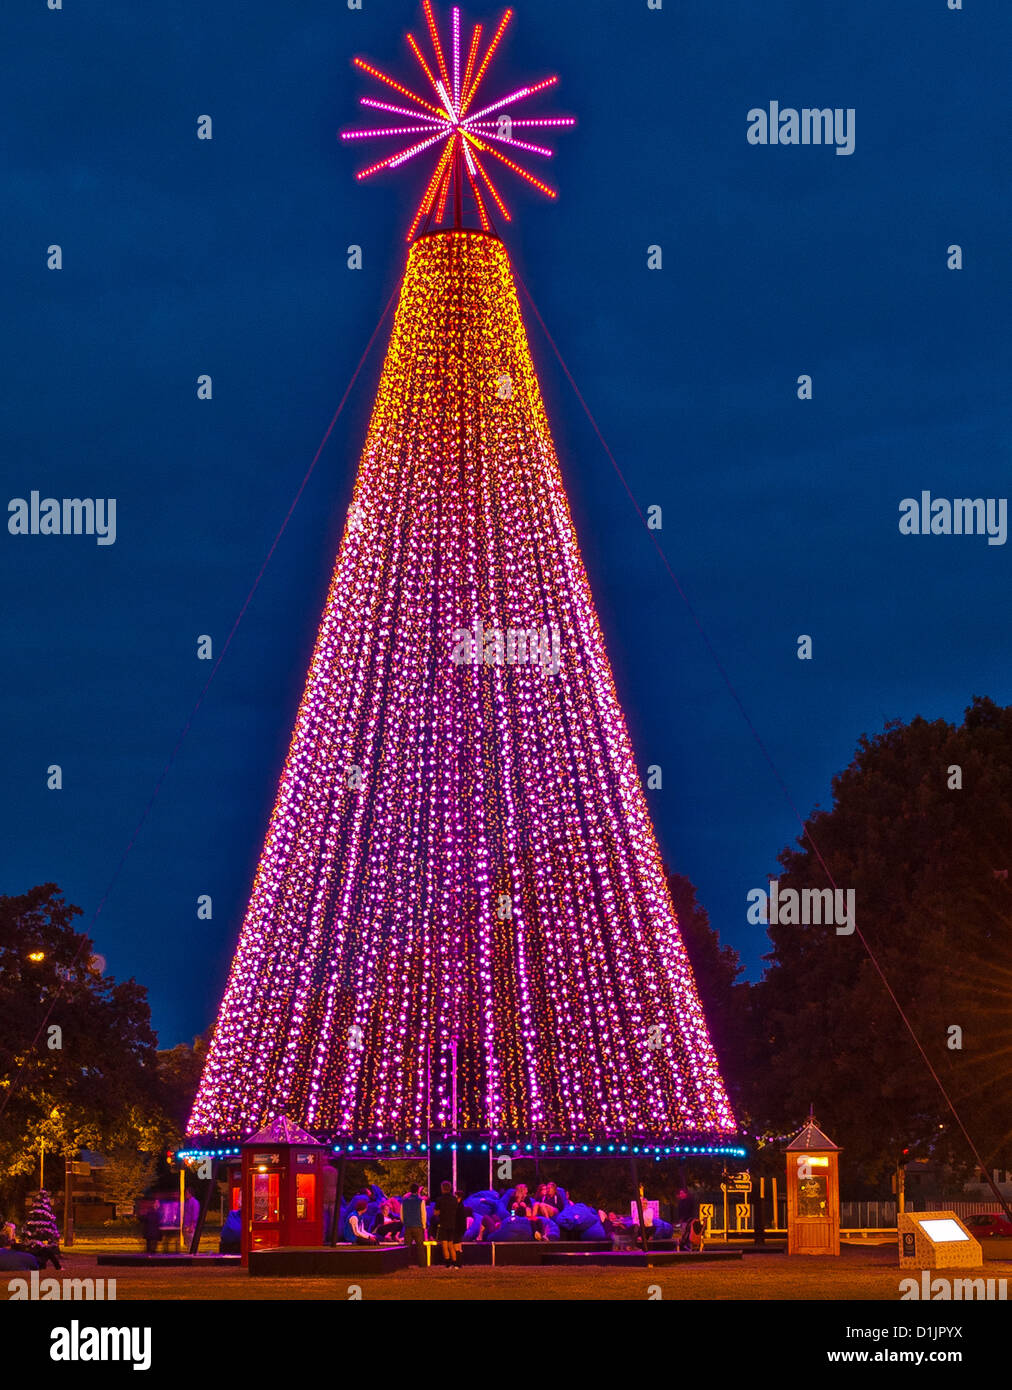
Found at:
[858, 1273]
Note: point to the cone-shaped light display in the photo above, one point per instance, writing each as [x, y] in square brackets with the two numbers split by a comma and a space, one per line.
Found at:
[459, 921]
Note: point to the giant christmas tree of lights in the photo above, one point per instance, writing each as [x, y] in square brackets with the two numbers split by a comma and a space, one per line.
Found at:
[459, 922]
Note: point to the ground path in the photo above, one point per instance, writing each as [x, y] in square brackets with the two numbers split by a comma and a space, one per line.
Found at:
[858, 1273]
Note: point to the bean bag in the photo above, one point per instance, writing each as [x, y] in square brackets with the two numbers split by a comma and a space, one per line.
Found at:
[663, 1230]
[17, 1259]
[487, 1203]
[503, 1204]
[230, 1240]
[514, 1228]
[580, 1222]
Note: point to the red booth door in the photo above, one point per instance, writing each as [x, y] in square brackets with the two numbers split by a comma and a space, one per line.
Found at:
[265, 1211]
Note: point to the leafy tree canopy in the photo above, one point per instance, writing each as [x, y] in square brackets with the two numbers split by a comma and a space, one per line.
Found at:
[86, 1078]
[921, 830]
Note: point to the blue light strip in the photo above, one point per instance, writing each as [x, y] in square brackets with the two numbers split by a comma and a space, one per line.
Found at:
[374, 1148]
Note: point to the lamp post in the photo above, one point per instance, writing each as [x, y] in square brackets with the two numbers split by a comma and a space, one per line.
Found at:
[68, 1200]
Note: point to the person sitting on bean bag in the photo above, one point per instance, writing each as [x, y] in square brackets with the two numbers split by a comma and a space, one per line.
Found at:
[354, 1230]
[552, 1198]
[474, 1224]
[14, 1259]
[490, 1224]
[525, 1209]
[512, 1195]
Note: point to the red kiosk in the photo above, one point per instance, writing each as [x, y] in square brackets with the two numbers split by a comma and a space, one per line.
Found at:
[281, 1197]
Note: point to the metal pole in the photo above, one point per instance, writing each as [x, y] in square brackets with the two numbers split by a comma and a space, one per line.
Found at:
[428, 1117]
[42, 1164]
[759, 1218]
[182, 1203]
[198, 1230]
[639, 1206]
[453, 1150]
[68, 1202]
[458, 204]
[336, 1228]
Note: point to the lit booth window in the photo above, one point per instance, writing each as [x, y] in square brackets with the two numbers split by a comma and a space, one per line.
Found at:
[235, 1186]
[281, 1202]
[813, 1193]
[936, 1240]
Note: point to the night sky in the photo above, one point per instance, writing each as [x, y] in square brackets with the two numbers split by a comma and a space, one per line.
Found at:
[229, 257]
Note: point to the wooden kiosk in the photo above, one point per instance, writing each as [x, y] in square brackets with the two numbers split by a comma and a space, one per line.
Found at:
[813, 1193]
[281, 1193]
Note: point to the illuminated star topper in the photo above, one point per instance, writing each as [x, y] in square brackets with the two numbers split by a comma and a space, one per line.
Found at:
[463, 135]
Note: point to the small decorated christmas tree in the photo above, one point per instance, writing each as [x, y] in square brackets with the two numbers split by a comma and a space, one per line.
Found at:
[40, 1223]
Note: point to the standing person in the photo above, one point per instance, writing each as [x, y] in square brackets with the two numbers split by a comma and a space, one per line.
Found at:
[328, 1188]
[151, 1225]
[191, 1215]
[463, 1216]
[446, 1222]
[413, 1219]
[687, 1209]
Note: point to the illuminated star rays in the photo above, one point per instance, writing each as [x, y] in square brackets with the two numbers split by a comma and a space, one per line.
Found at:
[448, 123]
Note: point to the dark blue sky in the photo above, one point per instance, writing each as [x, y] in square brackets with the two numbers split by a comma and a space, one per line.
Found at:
[229, 257]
